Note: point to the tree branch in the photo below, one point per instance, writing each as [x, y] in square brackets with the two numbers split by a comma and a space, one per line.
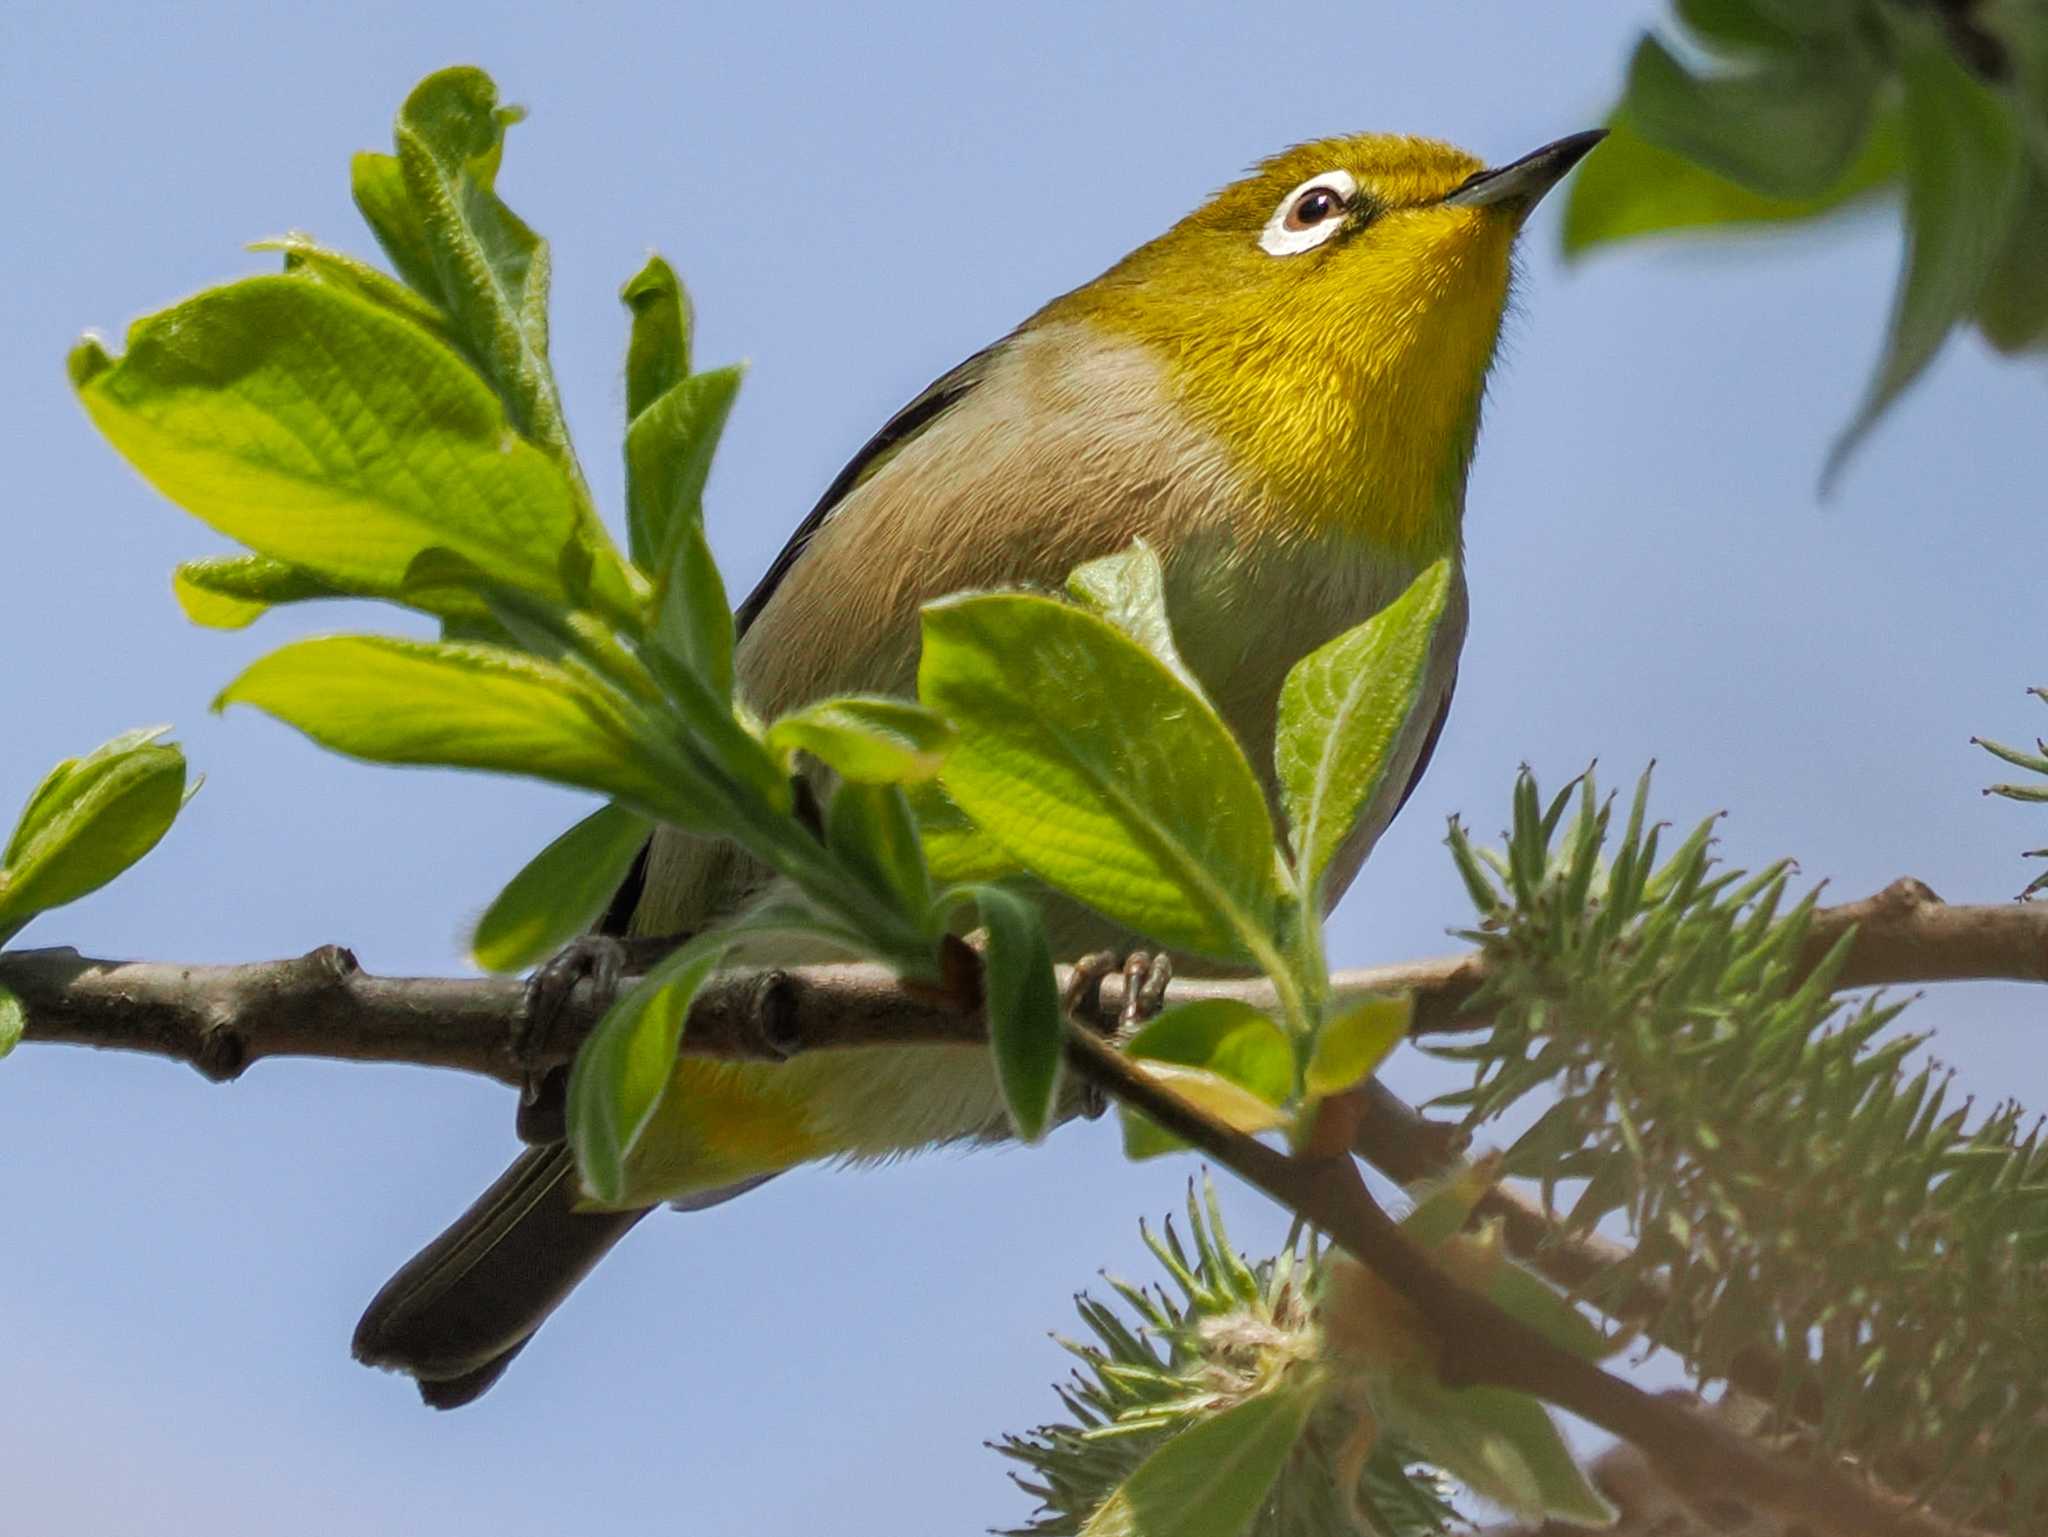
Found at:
[322, 1004]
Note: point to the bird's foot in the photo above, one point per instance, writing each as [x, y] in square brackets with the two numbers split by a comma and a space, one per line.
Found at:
[604, 961]
[1146, 974]
[600, 960]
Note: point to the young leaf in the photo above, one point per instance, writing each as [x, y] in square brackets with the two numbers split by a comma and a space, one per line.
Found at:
[1230, 1039]
[1213, 1094]
[1634, 188]
[492, 270]
[1788, 129]
[228, 592]
[956, 851]
[1129, 590]
[13, 1021]
[866, 738]
[561, 892]
[870, 828]
[1736, 26]
[669, 447]
[461, 706]
[325, 433]
[1962, 182]
[658, 349]
[668, 455]
[1233, 1060]
[1524, 1295]
[1100, 772]
[1443, 1205]
[90, 819]
[694, 622]
[1344, 711]
[1350, 1048]
[1502, 1445]
[2012, 311]
[307, 259]
[1023, 1002]
[624, 1068]
[1212, 1478]
[377, 183]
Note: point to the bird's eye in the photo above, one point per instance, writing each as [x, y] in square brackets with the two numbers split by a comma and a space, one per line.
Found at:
[1312, 207]
[1309, 215]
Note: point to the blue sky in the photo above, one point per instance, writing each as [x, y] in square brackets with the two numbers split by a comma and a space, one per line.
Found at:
[858, 197]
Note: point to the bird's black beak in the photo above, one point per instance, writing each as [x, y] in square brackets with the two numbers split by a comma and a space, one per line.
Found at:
[1522, 183]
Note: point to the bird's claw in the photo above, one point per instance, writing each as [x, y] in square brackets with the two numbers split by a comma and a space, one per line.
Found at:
[600, 960]
[1146, 975]
[1081, 998]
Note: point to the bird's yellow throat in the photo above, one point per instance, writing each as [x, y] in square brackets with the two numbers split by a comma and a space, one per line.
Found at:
[1346, 382]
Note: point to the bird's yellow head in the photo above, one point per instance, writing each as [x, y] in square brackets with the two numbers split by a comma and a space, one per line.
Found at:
[1331, 318]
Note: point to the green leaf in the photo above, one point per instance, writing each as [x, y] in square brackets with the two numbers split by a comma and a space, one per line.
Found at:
[1962, 180]
[1735, 26]
[669, 448]
[1212, 1478]
[658, 350]
[2036, 763]
[1443, 1205]
[1229, 1038]
[624, 1069]
[1350, 1048]
[1634, 188]
[1025, 1029]
[378, 185]
[466, 706]
[491, 269]
[227, 592]
[1524, 1295]
[1129, 590]
[2012, 311]
[325, 433]
[13, 1021]
[1216, 1096]
[869, 827]
[867, 738]
[90, 819]
[1100, 772]
[307, 259]
[1344, 710]
[1502, 1445]
[1747, 27]
[1223, 1038]
[561, 892]
[1789, 128]
[956, 851]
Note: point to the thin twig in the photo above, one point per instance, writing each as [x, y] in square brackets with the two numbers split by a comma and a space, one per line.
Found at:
[1480, 1345]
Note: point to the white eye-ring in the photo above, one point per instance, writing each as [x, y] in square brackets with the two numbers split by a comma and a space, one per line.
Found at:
[1310, 214]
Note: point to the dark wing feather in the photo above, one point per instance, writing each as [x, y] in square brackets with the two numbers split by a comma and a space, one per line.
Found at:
[906, 424]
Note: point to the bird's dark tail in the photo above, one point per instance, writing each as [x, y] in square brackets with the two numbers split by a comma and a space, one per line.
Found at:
[466, 1304]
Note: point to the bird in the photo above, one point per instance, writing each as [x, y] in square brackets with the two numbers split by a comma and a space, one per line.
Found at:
[1281, 396]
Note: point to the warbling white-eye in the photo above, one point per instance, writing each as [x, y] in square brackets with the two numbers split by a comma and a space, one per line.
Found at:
[1281, 396]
